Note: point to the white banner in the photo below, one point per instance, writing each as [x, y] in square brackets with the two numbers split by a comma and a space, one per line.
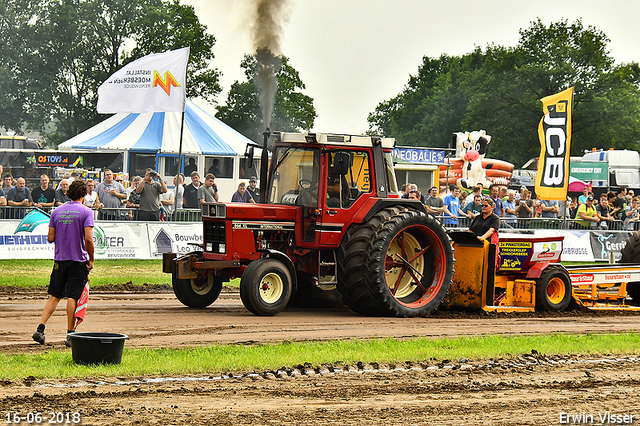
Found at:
[155, 83]
[24, 245]
[576, 245]
[112, 240]
[121, 240]
[165, 237]
[131, 240]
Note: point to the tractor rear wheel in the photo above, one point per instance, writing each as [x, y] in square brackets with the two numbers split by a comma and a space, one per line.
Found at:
[553, 290]
[265, 286]
[631, 254]
[399, 264]
[198, 292]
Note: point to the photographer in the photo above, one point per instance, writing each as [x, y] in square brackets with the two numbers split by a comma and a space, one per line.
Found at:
[632, 215]
[150, 190]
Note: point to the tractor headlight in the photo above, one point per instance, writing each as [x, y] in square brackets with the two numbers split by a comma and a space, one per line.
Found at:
[208, 247]
[222, 248]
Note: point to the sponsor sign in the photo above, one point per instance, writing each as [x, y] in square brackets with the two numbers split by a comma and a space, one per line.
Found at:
[180, 238]
[419, 155]
[554, 132]
[112, 240]
[513, 254]
[589, 170]
[154, 83]
[604, 244]
[547, 251]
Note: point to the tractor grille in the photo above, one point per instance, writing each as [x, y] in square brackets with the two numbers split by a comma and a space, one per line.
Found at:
[214, 237]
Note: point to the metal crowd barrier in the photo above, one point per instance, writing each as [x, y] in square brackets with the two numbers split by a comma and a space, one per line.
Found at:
[108, 214]
[195, 215]
[545, 223]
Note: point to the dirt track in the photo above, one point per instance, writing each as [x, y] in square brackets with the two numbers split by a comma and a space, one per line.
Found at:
[520, 391]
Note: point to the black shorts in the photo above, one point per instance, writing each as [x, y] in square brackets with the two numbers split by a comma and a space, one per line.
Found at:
[68, 279]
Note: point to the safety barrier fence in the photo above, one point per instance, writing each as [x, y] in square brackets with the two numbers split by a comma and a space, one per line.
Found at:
[516, 224]
[107, 214]
[194, 215]
[124, 238]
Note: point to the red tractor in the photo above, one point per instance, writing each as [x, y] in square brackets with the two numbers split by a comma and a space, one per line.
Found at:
[329, 224]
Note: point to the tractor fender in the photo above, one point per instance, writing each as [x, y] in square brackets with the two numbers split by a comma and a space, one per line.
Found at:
[374, 205]
[282, 257]
[536, 270]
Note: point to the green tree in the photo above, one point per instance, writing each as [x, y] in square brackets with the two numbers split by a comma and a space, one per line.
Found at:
[80, 43]
[504, 96]
[293, 110]
[499, 89]
[431, 106]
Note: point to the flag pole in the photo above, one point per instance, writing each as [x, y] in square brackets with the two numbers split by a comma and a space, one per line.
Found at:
[180, 145]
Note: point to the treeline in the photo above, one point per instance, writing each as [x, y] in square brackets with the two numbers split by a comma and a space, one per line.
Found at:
[499, 89]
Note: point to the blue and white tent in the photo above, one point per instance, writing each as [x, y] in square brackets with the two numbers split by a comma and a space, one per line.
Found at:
[160, 132]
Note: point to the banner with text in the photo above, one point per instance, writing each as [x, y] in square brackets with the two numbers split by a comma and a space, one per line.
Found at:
[554, 132]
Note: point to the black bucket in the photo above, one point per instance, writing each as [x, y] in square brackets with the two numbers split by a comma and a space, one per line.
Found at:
[97, 348]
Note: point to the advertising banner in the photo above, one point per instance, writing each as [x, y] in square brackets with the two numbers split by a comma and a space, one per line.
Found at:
[419, 155]
[605, 243]
[554, 132]
[154, 83]
[180, 238]
[24, 245]
[113, 240]
[576, 246]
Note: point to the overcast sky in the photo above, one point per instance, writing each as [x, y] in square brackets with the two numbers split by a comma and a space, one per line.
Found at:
[354, 54]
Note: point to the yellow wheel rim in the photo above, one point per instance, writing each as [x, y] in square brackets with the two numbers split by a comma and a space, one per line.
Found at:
[398, 276]
[271, 287]
[556, 290]
[202, 285]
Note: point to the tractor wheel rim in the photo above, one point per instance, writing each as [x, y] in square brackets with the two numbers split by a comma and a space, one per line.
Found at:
[555, 290]
[406, 260]
[271, 287]
[202, 285]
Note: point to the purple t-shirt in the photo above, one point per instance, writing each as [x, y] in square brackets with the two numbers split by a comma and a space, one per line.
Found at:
[69, 221]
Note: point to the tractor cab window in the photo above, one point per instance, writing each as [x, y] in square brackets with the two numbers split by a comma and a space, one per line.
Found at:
[344, 189]
[295, 174]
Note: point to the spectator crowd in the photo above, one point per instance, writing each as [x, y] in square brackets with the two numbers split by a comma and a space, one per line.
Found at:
[145, 198]
[521, 209]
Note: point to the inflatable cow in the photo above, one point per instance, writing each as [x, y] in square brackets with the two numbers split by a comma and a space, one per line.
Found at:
[471, 148]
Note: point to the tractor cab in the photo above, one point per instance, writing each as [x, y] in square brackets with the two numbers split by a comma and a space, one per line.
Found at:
[330, 178]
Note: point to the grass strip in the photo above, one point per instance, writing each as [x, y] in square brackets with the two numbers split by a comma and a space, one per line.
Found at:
[237, 358]
[33, 273]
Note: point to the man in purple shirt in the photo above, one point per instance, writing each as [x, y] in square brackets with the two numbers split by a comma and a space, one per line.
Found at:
[70, 228]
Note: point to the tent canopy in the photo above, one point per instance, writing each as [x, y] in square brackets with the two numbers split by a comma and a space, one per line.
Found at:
[160, 132]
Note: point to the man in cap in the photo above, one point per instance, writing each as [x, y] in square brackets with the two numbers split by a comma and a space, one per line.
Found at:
[253, 188]
[587, 214]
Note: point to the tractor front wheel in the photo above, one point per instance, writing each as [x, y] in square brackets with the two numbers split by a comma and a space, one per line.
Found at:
[198, 292]
[553, 290]
[265, 286]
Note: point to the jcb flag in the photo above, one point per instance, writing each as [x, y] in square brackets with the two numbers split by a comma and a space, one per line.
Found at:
[554, 131]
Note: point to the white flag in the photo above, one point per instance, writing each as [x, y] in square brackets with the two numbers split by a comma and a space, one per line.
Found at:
[155, 83]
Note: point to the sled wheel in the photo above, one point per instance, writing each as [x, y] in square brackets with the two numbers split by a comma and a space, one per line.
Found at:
[198, 292]
[265, 286]
[631, 254]
[553, 290]
[399, 264]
